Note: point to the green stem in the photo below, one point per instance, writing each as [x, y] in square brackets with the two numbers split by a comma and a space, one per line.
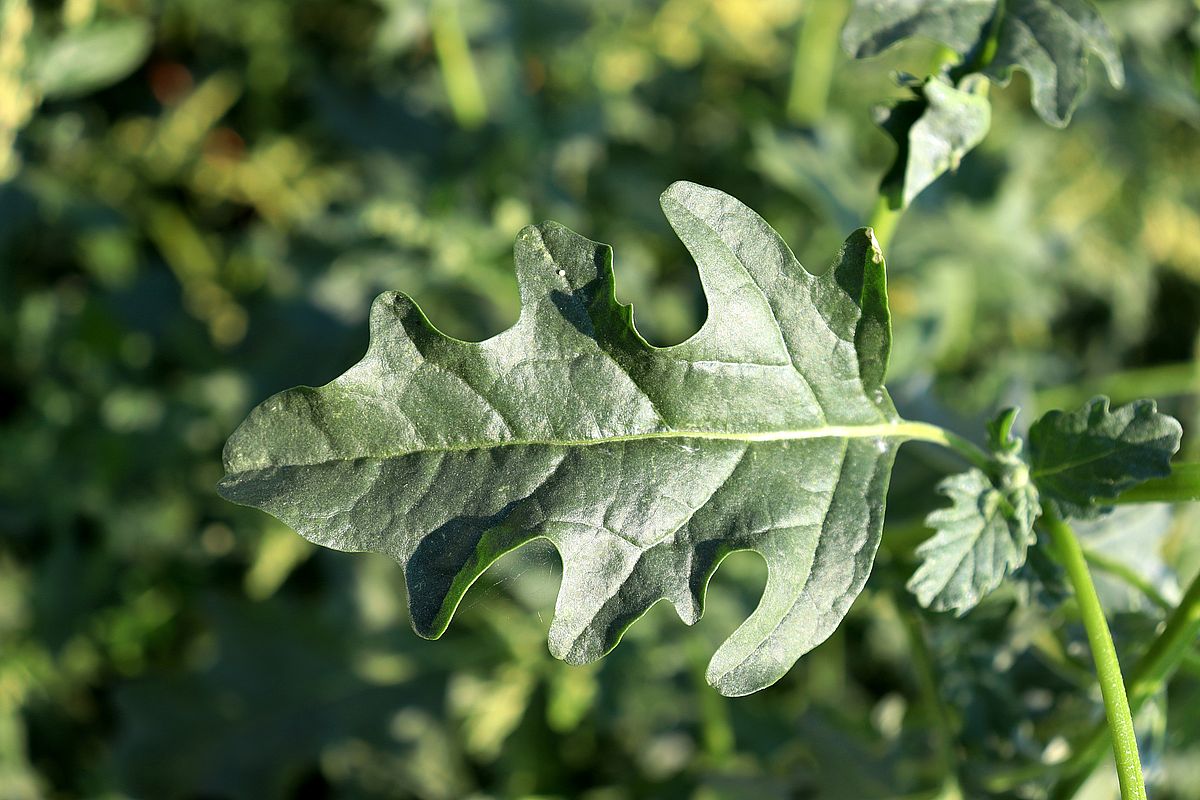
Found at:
[982, 55]
[1196, 72]
[935, 434]
[816, 55]
[458, 71]
[883, 221]
[1168, 651]
[1104, 654]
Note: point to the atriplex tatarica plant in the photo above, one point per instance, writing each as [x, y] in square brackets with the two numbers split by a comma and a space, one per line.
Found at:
[768, 430]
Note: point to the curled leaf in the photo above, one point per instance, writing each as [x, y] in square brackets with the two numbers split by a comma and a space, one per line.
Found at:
[933, 131]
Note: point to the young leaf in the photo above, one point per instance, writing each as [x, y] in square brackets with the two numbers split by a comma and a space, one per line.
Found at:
[1049, 39]
[768, 430]
[984, 536]
[932, 131]
[1091, 455]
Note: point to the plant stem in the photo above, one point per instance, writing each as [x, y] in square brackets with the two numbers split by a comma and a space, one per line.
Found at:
[1167, 652]
[883, 221]
[1104, 654]
[943, 726]
[935, 434]
[982, 55]
[458, 71]
[816, 54]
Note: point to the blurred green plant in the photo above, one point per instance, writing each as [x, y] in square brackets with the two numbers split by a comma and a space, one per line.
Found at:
[323, 163]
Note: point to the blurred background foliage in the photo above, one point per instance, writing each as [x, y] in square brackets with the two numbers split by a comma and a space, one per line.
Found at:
[198, 200]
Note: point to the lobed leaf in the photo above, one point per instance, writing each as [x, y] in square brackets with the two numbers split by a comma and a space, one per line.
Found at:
[1084, 458]
[875, 25]
[769, 430]
[1049, 39]
[984, 536]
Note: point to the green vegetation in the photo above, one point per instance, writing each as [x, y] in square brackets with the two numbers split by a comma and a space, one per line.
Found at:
[200, 200]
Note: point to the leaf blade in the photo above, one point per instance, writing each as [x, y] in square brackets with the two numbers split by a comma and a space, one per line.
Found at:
[1091, 455]
[984, 536]
[768, 430]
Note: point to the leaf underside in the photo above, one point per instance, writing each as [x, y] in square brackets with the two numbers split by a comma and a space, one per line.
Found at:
[981, 539]
[768, 430]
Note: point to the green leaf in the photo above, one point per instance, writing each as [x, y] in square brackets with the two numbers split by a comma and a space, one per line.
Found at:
[1126, 552]
[1087, 457]
[84, 60]
[875, 25]
[1181, 486]
[933, 131]
[768, 430]
[984, 535]
[1049, 39]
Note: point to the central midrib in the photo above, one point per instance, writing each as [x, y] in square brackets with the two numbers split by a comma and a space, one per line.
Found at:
[885, 430]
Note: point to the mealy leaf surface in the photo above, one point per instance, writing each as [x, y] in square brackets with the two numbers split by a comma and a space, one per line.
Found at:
[875, 25]
[933, 131]
[1049, 39]
[983, 537]
[1082, 458]
[768, 430]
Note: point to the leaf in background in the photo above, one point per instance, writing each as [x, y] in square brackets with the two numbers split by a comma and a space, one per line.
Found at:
[1133, 539]
[768, 430]
[84, 60]
[876, 25]
[984, 536]
[1093, 454]
[933, 131]
[1049, 39]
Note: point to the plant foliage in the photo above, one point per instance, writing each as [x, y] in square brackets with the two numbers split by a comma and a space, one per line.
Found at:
[983, 537]
[933, 130]
[1049, 39]
[950, 114]
[1087, 457]
[769, 430]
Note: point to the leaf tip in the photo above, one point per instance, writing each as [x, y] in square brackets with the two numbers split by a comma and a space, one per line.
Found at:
[686, 194]
[876, 250]
[728, 683]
